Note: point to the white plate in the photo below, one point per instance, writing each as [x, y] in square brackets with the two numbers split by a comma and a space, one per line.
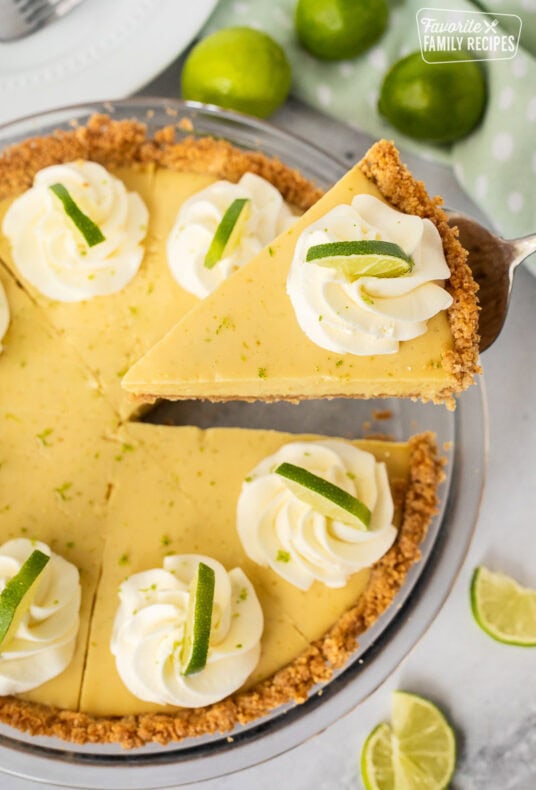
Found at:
[100, 49]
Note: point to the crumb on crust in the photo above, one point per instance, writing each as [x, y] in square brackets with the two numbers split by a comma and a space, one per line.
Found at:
[418, 501]
[115, 143]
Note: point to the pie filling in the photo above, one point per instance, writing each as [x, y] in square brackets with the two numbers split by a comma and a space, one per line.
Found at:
[78, 305]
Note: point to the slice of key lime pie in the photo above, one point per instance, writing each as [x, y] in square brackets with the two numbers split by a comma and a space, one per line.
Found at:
[368, 294]
[207, 576]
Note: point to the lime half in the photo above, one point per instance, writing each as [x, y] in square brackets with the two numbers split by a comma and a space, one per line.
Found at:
[503, 609]
[199, 620]
[326, 498]
[228, 232]
[418, 750]
[367, 258]
[91, 232]
[18, 594]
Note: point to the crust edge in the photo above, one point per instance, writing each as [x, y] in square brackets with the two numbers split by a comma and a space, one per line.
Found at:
[382, 165]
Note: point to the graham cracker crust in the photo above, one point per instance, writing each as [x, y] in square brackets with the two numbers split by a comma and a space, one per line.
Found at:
[418, 501]
[382, 165]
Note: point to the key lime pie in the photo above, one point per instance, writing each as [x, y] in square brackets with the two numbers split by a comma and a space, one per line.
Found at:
[208, 576]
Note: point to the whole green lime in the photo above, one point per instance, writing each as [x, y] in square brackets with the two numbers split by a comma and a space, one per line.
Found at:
[340, 29]
[436, 102]
[239, 68]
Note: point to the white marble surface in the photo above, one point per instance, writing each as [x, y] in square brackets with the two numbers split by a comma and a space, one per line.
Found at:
[487, 689]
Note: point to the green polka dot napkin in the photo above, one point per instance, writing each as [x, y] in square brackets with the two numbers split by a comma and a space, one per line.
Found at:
[496, 164]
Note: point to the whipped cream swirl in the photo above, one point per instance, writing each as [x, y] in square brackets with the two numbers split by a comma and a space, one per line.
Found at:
[149, 630]
[44, 642]
[279, 530]
[196, 224]
[50, 251]
[4, 314]
[372, 314]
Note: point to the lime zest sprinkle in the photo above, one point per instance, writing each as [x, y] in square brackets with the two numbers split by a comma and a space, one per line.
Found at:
[89, 230]
[43, 436]
[62, 491]
[262, 374]
[123, 559]
[282, 556]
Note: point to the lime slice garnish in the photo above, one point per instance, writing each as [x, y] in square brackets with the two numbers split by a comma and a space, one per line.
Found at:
[503, 609]
[18, 594]
[228, 232]
[417, 750]
[326, 498]
[366, 258]
[91, 232]
[199, 620]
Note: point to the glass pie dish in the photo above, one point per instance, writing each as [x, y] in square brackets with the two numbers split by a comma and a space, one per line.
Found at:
[461, 436]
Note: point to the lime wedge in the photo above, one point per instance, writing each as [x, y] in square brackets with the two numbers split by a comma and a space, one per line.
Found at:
[367, 258]
[377, 757]
[91, 232]
[18, 594]
[228, 232]
[199, 621]
[325, 497]
[418, 750]
[503, 609]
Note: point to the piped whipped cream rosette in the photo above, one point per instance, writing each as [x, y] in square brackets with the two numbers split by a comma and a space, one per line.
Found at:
[151, 625]
[289, 534]
[367, 315]
[48, 245]
[265, 216]
[4, 314]
[43, 642]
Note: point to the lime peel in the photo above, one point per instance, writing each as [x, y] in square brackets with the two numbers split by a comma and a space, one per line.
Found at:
[363, 258]
[504, 609]
[327, 498]
[199, 621]
[228, 232]
[89, 230]
[18, 595]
